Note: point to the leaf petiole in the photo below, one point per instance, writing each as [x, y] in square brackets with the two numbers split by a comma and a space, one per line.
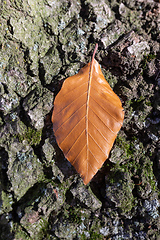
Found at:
[96, 47]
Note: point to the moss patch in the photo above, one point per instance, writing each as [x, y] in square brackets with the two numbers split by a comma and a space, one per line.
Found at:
[7, 201]
[146, 59]
[73, 215]
[93, 236]
[19, 233]
[32, 136]
[120, 189]
[126, 146]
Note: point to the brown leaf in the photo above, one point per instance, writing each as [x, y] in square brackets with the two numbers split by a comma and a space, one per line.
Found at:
[86, 118]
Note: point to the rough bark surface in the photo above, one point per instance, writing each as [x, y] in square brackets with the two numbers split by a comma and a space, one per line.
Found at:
[41, 44]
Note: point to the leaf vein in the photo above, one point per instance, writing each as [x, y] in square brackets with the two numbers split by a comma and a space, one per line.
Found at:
[108, 91]
[92, 168]
[97, 144]
[75, 141]
[69, 118]
[71, 130]
[71, 102]
[78, 155]
[94, 156]
[99, 132]
[104, 109]
[74, 89]
[102, 121]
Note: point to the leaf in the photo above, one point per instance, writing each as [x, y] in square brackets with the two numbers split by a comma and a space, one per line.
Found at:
[86, 118]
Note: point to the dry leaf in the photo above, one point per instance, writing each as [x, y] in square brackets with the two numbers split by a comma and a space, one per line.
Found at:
[86, 118]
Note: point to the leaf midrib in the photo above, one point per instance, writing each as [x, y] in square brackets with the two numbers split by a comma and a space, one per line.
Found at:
[87, 105]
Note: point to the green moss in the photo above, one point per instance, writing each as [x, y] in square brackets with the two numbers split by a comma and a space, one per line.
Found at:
[1, 121]
[44, 225]
[138, 103]
[7, 201]
[128, 147]
[73, 215]
[146, 173]
[148, 103]
[128, 201]
[111, 79]
[32, 136]
[120, 187]
[143, 169]
[93, 236]
[136, 173]
[19, 233]
[147, 59]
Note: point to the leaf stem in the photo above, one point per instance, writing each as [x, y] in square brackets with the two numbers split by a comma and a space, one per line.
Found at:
[91, 65]
[96, 47]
